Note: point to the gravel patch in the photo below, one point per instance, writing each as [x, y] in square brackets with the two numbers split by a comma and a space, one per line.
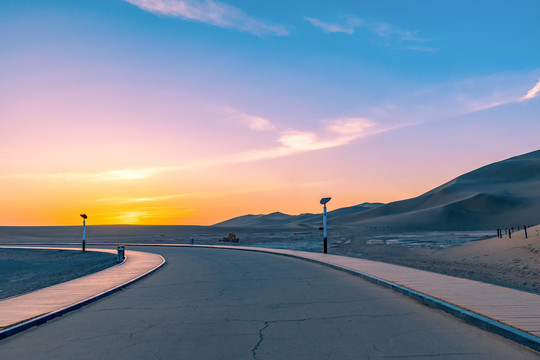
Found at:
[26, 270]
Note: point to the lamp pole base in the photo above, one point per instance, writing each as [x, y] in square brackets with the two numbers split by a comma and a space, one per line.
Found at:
[325, 246]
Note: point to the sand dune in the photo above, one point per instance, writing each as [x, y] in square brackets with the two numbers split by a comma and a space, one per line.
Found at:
[505, 193]
[281, 219]
[502, 194]
[273, 219]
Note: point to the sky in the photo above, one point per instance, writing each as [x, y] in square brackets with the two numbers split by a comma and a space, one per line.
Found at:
[197, 111]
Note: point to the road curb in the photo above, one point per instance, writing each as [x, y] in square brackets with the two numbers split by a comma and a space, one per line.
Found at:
[39, 320]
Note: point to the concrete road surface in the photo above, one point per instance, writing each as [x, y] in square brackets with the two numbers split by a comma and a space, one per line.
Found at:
[223, 304]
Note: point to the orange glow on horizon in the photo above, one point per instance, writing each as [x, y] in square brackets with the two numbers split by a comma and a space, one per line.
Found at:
[130, 202]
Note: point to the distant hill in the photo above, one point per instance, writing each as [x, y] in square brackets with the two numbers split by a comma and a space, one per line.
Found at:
[281, 219]
[505, 193]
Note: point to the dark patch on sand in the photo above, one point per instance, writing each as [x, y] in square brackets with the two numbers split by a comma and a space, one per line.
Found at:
[26, 270]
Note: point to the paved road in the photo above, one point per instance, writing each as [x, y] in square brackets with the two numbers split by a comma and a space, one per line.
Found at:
[222, 304]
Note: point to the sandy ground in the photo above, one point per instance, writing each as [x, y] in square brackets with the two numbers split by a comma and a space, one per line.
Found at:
[508, 262]
[25, 270]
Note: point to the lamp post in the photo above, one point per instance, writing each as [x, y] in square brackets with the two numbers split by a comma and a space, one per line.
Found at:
[323, 202]
[84, 231]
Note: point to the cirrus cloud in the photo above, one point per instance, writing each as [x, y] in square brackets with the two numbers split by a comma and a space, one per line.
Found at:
[349, 126]
[347, 27]
[385, 33]
[532, 93]
[333, 133]
[103, 176]
[256, 123]
[213, 13]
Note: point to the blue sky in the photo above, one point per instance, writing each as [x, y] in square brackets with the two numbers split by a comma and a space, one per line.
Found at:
[391, 97]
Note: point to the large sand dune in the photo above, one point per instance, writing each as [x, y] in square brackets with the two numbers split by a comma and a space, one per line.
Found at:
[505, 193]
[502, 194]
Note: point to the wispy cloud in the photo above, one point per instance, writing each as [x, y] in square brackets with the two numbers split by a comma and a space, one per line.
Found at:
[444, 101]
[448, 100]
[347, 27]
[145, 214]
[104, 176]
[335, 133]
[355, 127]
[125, 174]
[160, 200]
[391, 32]
[255, 123]
[420, 48]
[508, 97]
[211, 12]
[129, 217]
[144, 199]
[332, 133]
[532, 93]
[386, 33]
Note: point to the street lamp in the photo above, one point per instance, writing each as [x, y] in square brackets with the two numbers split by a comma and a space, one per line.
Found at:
[323, 202]
[84, 231]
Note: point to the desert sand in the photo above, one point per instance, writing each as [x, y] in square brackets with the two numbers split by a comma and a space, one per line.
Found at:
[508, 262]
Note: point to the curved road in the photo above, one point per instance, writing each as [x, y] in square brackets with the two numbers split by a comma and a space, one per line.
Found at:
[223, 304]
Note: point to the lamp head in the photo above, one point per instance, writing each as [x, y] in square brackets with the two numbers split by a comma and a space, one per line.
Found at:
[325, 200]
[84, 216]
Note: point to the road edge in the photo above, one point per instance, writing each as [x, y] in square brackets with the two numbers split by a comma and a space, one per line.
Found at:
[39, 320]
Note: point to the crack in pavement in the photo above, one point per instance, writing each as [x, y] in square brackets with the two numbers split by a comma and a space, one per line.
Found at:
[261, 338]
[385, 355]
[268, 322]
[221, 292]
[323, 317]
[416, 356]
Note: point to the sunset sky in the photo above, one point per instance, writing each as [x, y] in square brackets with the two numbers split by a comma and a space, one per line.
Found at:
[193, 112]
